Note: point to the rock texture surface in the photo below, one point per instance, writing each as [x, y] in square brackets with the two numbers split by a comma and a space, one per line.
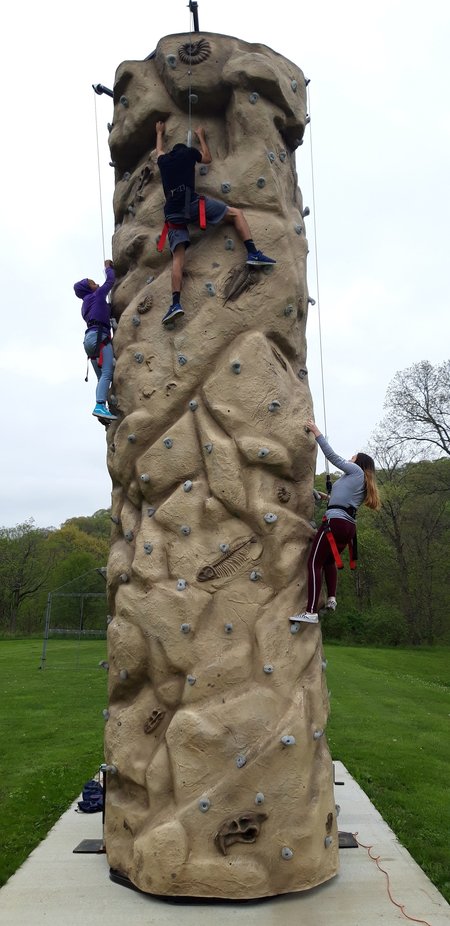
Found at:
[223, 784]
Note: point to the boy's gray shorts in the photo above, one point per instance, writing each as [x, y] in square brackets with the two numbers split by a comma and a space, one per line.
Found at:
[215, 211]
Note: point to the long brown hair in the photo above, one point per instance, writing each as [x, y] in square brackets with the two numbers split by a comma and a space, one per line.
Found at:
[372, 499]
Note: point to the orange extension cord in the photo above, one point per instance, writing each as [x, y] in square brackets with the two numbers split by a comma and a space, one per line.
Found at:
[401, 907]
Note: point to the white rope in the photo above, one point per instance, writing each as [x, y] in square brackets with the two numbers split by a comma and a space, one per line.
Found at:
[99, 177]
[327, 469]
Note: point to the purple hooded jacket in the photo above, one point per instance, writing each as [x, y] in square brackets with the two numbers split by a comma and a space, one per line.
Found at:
[95, 308]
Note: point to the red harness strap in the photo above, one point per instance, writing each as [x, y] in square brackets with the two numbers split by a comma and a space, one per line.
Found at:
[163, 235]
[167, 225]
[337, 557]
[202, 211]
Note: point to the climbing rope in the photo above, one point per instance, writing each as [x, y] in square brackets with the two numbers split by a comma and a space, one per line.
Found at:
[376, 859]
[316, 261]
[99, 177]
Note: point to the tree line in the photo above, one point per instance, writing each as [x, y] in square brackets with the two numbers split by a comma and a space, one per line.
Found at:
[397, 596]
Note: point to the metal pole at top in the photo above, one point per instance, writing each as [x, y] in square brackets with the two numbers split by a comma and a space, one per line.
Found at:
[193, 6]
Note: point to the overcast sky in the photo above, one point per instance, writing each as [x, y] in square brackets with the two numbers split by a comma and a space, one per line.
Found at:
[380, 123]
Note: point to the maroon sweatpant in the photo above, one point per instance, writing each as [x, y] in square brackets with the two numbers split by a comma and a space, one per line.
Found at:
[321, 559]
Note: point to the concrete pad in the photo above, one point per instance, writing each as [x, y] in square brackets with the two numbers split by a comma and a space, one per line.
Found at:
[54, 886]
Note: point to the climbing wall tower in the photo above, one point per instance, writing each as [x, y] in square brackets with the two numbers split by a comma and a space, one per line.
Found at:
[221, 783]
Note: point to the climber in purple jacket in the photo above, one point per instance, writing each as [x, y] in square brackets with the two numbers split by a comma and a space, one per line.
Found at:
[96, 312]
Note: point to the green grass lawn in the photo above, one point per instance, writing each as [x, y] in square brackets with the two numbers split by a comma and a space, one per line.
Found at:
[390, 717]
[389, 725]
[51, 735]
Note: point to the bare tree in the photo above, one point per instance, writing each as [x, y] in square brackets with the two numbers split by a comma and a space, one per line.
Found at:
[25, 563]
[418, 406]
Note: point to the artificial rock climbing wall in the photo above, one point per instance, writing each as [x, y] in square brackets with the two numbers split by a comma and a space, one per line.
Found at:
[222, 781]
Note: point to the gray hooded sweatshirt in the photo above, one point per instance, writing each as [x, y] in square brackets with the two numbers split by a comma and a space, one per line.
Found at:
[349, 489]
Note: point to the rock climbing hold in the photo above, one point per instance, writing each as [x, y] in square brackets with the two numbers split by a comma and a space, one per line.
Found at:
[145, 305]
[105, 713]
[131, 438]
[129, 535]
[282, 155]
[139, 358]
[103, 664]
[289, 310]
[182, 359]
[126, 175]
[274, 405]
[268, 669]
[243, 828]
[168, 442]
[123, 675]
[148, 547]
[228, 628]
[271, 155]
[124, 577]
[193, 98]
[208, 448]
[328, 841]
[229, 244]
[181, 585]
[191, 679]
[224, 547]
[193, 405]
[263, 452]
[241, 761]
[311, 300]
[204, 804]
[254, 97]
[254, 575]
[124, 101]
[187, 486]
[210, 289]
[171, 61]
[270, 518]
[307, 120]
[298, 229]
[294, 85]
[305, 212]
[288, 740]
[151, 512]
[110, 126]
[185, 530]
[260, 182]
[295, 627]
[324, 664]
[185, 628]
[317, 734]
[203, 169]
[302, 373]
[236, 366]
[136, 321]
[226, 187]
[145, 477]
[113, 164]
[259, 797]
[115, 519]
[286, 852]
[109, 618]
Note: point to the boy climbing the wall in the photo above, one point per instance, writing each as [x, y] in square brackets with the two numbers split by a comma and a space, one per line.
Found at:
[184, 205]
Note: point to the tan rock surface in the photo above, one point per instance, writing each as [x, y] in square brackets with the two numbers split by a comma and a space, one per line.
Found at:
[216, 711]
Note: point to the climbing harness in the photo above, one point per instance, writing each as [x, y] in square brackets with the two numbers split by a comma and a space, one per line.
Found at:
[168, 224]
[351, 546]
[99, 345]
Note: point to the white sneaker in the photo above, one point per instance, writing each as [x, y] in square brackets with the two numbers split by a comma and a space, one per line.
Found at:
[305, 617]
[331, 604]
